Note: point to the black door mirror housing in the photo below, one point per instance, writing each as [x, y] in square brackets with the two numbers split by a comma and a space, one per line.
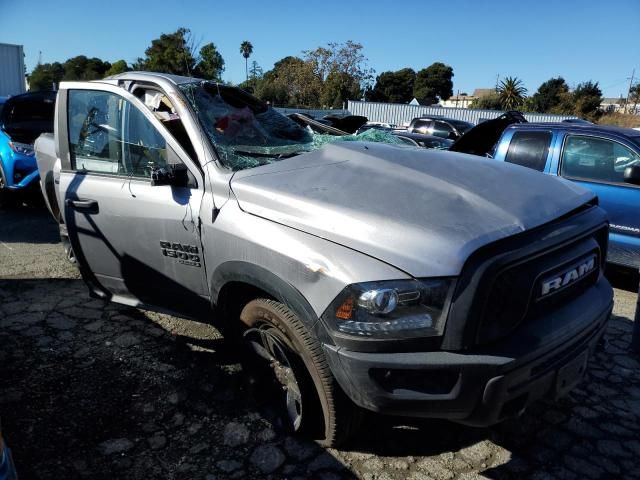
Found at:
[632, 174]
[176, 175]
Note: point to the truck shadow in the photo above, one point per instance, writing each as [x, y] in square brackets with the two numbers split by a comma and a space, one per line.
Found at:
[170, 397]
[36, 225]
[623, 278]
[93, 390]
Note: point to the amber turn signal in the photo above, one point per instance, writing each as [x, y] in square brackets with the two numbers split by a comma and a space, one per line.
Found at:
[346, 309]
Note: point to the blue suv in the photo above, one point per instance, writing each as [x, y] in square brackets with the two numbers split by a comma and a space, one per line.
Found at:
[22, 119]
[604, 159]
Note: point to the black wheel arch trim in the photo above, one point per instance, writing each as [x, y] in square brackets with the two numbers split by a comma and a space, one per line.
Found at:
[260, 277]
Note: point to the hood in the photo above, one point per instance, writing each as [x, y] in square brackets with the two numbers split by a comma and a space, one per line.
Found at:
[28, 132]
[481, 138]
[423, 211]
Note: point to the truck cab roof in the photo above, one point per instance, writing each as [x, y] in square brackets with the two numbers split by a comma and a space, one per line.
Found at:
[154, 76]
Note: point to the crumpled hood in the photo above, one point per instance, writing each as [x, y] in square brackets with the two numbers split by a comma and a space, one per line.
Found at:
[423, 211]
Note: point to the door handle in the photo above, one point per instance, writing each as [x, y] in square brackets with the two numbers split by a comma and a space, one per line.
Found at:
[87, 204]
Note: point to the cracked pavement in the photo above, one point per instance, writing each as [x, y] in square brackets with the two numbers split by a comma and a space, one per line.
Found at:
[95, 390]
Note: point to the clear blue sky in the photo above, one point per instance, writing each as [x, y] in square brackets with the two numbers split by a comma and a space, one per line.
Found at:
[533, 40]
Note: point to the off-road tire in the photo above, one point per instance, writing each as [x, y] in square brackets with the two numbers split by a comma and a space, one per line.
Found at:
[328, 416]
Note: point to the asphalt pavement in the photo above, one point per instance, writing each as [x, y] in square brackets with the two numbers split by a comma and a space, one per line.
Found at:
[93, 390]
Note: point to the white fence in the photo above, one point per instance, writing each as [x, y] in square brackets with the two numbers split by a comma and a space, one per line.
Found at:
[400, 114]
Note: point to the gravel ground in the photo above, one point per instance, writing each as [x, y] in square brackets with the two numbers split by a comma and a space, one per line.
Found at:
[91, 390]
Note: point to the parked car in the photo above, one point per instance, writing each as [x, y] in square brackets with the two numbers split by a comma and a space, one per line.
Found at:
[346, 123]
[604, 159]
[23, 118]
[425, 141]
[440, 127]
[356, 276]
[385, 127]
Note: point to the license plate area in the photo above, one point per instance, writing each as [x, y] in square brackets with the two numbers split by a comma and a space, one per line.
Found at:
[571, 373]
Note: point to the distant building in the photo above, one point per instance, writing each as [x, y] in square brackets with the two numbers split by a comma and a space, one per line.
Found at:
[464, 101]
[612, 105]
[457, 101]
[12, 78]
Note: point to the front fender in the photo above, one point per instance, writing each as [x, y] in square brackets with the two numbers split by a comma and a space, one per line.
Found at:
[259, 277]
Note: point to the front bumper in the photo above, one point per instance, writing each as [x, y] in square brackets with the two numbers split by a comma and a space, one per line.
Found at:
[545, 358]
[20, 172]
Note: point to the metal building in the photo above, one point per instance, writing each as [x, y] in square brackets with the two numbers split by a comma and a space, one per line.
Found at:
[401, 114]
[12, 80]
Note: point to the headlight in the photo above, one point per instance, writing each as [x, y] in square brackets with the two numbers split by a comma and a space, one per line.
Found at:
[392, 309]
[22, 148]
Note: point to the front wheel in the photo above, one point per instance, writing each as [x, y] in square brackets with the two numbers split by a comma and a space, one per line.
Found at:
[287, 363]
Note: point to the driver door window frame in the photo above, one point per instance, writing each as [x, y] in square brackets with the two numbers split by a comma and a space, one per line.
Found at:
[61, 122]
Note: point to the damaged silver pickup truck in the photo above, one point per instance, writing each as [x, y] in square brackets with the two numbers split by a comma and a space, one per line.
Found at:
[356, 275]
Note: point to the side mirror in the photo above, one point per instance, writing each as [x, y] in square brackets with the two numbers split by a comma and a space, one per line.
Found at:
[176, 175]
[632, 174]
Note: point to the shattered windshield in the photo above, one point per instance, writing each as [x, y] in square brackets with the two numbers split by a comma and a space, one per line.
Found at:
[247, 132]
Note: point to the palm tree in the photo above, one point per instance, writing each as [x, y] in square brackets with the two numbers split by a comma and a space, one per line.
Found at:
[511, 93]
[246, 49]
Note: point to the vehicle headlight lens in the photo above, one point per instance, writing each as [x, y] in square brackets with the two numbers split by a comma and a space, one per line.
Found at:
[22, 148]
[392, 309]
[381, 301]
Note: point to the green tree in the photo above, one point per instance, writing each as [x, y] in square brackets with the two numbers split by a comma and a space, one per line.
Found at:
[511, 92]
[337, 89]
[83, 68]
[586, 99]
[347, 66]
[394, 87]
[433, 83]
[210, 64]
[117, 67]
[171, 53]
[45, 75]
[246, 49]
[272, 91]
[292, 82]
[255, 77]
[328, 75]
[549, 95]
